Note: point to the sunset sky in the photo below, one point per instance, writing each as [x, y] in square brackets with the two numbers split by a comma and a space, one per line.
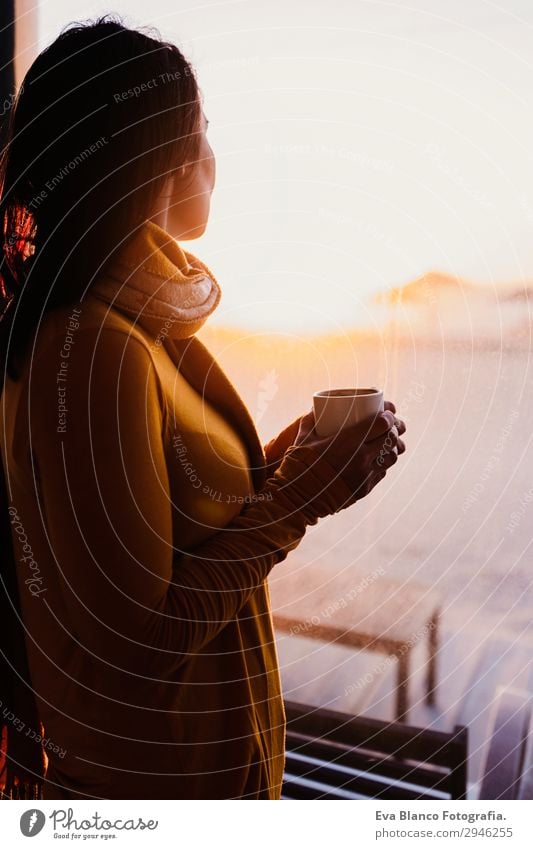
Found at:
[358, 145]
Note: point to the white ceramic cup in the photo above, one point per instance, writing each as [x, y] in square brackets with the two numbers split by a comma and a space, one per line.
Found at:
[335, 409]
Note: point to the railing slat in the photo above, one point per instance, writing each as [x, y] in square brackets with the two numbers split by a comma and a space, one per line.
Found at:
[333, 755]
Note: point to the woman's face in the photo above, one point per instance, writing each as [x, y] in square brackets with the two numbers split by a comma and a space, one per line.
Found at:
[182, 208]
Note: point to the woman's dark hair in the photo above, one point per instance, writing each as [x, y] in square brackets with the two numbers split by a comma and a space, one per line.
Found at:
[103, 116]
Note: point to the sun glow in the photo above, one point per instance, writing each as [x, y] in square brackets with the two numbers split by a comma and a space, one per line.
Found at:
[355, 156]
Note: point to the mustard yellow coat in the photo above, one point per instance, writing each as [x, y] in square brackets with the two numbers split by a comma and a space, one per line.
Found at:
[144, 525]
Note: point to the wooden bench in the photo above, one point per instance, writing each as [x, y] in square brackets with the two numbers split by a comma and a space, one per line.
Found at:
[385, 616]
[330, 755]
[508, 769]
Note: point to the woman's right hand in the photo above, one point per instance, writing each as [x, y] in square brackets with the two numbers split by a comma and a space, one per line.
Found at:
[359, 454]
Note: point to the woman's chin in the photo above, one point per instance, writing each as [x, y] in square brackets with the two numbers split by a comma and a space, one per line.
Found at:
[193, 233]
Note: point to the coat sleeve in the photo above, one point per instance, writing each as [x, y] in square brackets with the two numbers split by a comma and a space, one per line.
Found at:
[133, 598]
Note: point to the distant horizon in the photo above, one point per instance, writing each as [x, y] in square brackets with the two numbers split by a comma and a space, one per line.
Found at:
[355, 151]
[384, 303]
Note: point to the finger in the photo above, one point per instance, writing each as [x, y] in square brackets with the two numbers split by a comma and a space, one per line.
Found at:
[307, 424]
[386, 460]
[390, 406]
[400, 446]
[385, 444]
[292, 429]
[382, 423]
[400, 425]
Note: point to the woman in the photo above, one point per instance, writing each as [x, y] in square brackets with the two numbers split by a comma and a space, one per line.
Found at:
[143, 512]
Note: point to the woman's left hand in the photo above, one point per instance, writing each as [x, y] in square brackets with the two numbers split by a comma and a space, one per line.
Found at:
[276, 448]
[399, 425]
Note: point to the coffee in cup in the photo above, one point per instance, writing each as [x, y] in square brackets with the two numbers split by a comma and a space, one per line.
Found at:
[335, 409]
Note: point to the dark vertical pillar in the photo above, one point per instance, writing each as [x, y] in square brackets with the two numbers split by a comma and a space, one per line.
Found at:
[432, 663]
[402, 685]
[7, 61]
